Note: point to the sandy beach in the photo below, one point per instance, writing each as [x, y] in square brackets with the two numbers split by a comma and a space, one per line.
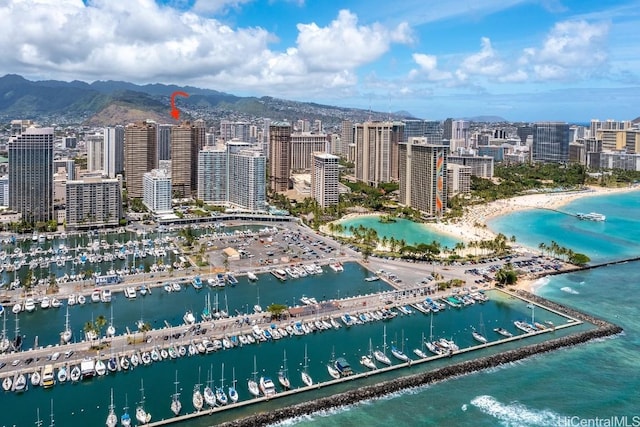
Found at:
[472, 225]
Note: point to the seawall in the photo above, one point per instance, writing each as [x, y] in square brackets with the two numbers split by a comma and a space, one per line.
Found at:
[603, 329]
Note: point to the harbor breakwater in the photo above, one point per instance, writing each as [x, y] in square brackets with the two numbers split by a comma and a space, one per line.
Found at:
[603, 329]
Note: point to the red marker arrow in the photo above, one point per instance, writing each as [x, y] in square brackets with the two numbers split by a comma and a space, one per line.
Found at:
[175, 113]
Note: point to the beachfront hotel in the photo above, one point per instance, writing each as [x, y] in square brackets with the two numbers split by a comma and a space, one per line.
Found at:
[31, 173]
[423, 175]
[303, 145]
[325, 179]
[140, 155]
[113, 150]
[376, 155]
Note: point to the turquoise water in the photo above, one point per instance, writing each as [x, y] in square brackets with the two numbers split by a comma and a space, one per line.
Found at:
[402, 229]
[599, 379]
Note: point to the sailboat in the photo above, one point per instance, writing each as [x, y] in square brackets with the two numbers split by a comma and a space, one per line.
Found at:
[112, 418]
[398, 353]
[306, 378]
[233, 393]
[111, 329]
[367, 359]
[381, 356]
[66, 334]
[38, 422]
[17, 341]
[257, 308]
[176, 405]
[53, 421]
[283, 377]
[253, 382]
[431, 345]
[331, 366]
[221, 397]
[196, 398]
[479, 336]
[208, 394]
[206, 311]
[141, 415]
[125, 418]
[419, 351]
[5, 343]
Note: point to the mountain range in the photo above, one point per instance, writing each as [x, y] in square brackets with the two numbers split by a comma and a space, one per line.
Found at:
[104, 103]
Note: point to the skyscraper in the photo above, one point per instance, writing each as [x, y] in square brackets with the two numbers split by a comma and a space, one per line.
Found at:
[234, 175]
[279, 156]
[376, 158]
[303, 144]
[181, 159]
[157, 190]
[140, 155]
[95, 152]
[164, 142]
[325, 178]
[113, 151]
[346, 138]
[423, 175]
[31, 174]
[198, 141]
[551, 142]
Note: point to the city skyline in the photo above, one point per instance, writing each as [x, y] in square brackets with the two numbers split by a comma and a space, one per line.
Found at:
[518, 59]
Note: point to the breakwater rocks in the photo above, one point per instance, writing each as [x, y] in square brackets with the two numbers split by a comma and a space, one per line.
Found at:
[603, 329]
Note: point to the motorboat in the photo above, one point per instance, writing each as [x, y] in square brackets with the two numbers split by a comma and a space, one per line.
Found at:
[130, 292]
[29, 305]
[503, 332]
[105, 295]
[45, 302]
[189, 318]
[48, 378]
[267, 387]
[62, 374]
[17, 308]
[95, 296]
[343, 367]
[75, 373]
[252, 276]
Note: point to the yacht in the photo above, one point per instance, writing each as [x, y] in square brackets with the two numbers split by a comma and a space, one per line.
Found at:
[252, 276]
[267, 387]
[591, 216]
[105, 295]
[343, 367]
[503, 332]
[130, 292]
[478, 337]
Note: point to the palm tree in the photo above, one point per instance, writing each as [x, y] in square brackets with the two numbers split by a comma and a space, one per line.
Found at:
[100, 323]
[542, 247]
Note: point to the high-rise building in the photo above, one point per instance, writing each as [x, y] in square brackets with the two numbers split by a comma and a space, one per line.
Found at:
[246, 181]
[212, 175]
[303, 144]
[481, 166]
[458, 180]
[346, 138]
[140, 155]
[181, 142]
[95, 152]
[551, 142]
[113, 151]
[198, 141]
[31, 174]
[423, 176]
[430, 129]
[164, 142]
[157, 191]
[325, 179]
[234, 176]
[93, 202]
[279, 156]
[376, 156]
[4, 190]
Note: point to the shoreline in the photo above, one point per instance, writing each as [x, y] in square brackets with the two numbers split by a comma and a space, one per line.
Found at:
[472, 226]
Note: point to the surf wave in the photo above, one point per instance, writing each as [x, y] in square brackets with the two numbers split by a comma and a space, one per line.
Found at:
[569, 290]
[515, 414]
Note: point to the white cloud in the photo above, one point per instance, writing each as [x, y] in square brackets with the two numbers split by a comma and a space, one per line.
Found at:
[141, 41]
[485, 62]
[216, 6]
[343, 44]
[428, 67]
[570, 48]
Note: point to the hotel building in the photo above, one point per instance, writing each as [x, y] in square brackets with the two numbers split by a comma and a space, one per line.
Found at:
[325, 179]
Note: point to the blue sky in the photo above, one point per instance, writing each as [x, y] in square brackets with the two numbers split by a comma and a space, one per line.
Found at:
[528, 60]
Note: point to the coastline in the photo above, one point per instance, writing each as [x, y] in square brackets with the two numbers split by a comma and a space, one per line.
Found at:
[472, 225]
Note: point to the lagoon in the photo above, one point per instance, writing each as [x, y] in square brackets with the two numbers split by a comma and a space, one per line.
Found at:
[402, 229]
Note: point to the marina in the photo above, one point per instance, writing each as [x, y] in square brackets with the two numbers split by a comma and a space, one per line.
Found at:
[132, 348]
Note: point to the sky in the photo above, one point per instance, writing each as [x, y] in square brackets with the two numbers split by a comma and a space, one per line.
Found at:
[524, 60]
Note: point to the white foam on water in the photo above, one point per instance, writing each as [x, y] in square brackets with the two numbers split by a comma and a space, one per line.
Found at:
[516, 414]
[569, 290]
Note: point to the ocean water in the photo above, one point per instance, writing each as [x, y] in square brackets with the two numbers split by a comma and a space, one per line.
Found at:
[563, 388]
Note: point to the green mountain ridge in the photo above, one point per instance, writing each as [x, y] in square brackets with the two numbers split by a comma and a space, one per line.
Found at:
[82, 102]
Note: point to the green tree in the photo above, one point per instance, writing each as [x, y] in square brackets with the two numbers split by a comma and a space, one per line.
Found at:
[277, 310]
[506, 275]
